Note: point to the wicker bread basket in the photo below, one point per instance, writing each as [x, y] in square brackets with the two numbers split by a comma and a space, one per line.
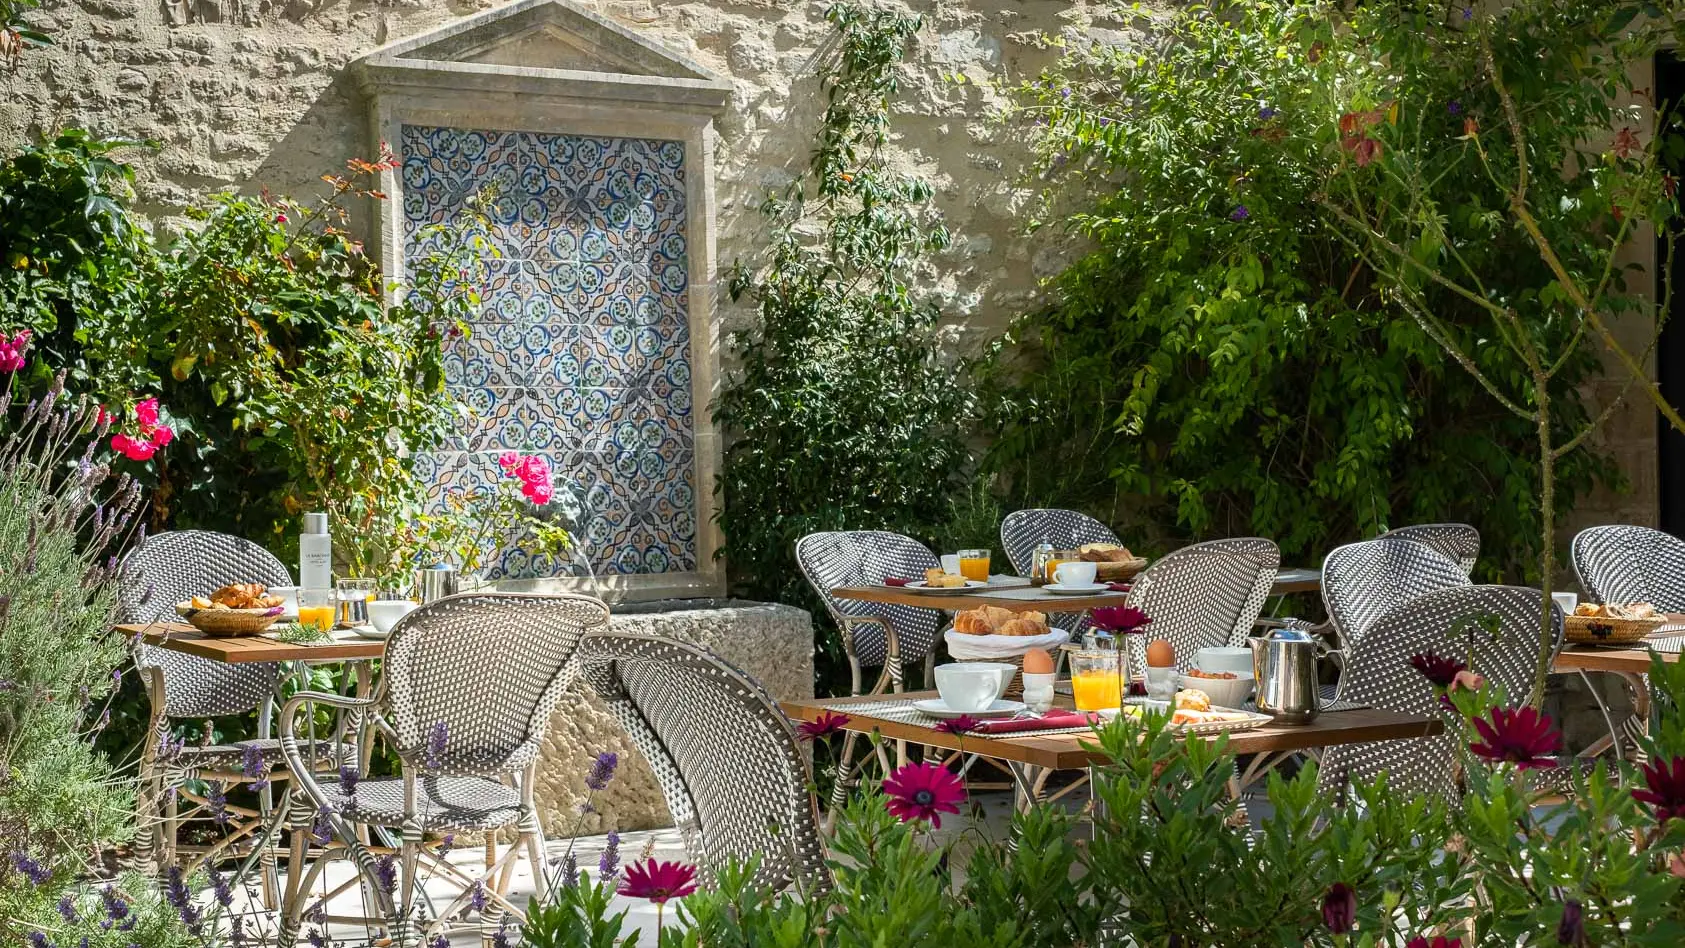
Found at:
[227, 623]
[1119, 572]
[1604, 630]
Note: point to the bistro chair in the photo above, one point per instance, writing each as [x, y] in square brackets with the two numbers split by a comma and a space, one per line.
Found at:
[1456, 541]
[1361, 582]
[730, 766]
[1379, 675]
[1624, 563]
[467, 689]
[1205, 595]
[874, 634]
[165, 569]
[1022, 530]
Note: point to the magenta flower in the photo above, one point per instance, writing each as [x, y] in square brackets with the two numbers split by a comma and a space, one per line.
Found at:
[1524, 737]
[1571, 930]
[658, 881]
[1439, 941]
[133, 448]
[921, 791]
[822, 727]
[12, 351]
[1438, 669]
[1339, 908]
[539, 492]
[533, 469]
[964, 724]
[146, 413]
[1120, 620]
[508, 460]
[1664, 783]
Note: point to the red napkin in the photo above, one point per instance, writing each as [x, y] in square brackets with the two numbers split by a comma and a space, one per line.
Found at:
[1118, 587]
[895, 581]
[1051, 721]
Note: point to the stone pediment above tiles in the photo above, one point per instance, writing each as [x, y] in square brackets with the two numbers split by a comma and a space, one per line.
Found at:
[549, 48]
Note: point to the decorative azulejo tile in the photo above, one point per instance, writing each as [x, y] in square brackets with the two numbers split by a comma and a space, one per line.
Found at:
[581, 351]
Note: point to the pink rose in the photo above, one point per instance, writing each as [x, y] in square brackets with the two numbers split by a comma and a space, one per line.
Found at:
[11, 359]
[161, 436]
[146, 412]
[508, 460]
[539, 492]
[133, 448]
[533, 470]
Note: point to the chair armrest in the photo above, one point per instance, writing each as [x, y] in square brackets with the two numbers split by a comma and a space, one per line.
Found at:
[302, 772]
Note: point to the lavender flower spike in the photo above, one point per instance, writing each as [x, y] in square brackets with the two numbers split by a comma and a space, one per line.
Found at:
[608, 865]
[602, 770]
[253, 767]
[438, 739]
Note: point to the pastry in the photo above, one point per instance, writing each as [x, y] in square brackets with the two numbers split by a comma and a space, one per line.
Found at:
[1022, 627]
[986, 620]
[1192, 699]
[241, 596]
[938, 579]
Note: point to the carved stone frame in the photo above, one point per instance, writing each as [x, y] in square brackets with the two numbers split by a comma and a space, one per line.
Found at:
[473, 73]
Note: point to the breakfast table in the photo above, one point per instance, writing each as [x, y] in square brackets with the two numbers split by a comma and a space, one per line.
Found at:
[1630, 662]
[1032, 756]
[1016, 594]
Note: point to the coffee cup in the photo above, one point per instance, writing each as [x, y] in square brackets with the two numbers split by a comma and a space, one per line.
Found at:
[970, 687]
[1567, 602]
[1075, 574]
[385, 613]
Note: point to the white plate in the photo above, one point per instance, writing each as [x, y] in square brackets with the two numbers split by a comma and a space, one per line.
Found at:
[920, 587]
[937, 708]
[1067, 589]
[369, 632]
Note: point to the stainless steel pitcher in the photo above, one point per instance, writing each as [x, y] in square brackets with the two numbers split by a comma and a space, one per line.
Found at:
[435, 582]
[1284, 668]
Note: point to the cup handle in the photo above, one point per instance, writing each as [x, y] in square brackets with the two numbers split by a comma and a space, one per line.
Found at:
[1056, 574]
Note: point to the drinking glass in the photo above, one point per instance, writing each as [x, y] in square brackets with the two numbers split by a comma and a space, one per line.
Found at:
[1059, 557]
[974, 564]
[316, 607]
[1096, 683]
[354, 596]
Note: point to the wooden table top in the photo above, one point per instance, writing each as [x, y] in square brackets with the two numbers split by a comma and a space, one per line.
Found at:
[1015, 593]
[1074, 751]
[1021, 598]
[241, 649]
[1633, 660]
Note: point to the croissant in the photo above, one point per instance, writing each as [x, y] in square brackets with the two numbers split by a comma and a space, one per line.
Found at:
[238, 595]
[1022, 627]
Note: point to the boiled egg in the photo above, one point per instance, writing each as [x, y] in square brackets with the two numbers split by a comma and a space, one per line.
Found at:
[1160, 654]
[1038, 662]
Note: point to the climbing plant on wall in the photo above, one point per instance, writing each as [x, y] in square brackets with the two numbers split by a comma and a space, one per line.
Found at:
[1222, 362]
[841, 412]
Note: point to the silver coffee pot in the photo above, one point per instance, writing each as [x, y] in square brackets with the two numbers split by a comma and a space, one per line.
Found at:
[1284, 669]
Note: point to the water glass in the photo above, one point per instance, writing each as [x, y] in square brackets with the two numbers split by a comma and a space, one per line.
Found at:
[354, 596]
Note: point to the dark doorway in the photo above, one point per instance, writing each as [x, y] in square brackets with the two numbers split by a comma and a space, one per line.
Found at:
[1670, 350]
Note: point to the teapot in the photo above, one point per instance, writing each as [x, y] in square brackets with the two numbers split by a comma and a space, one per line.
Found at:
[1284, 668]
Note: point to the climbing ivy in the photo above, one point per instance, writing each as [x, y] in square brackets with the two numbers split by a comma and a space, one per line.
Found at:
[841, 412]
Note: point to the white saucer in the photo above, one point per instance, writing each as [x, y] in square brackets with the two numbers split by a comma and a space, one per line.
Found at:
[1066, 589]
[937, 708]
[369, 632]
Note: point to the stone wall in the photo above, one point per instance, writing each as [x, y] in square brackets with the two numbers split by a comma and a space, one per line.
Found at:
[249, 94]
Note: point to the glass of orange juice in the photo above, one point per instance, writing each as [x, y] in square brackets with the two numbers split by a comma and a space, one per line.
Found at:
[1060, 557]
[316, 607]
[1096, 682]
[974, 564]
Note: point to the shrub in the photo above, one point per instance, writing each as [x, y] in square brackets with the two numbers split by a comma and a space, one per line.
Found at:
[842, 414]
[1223, 362]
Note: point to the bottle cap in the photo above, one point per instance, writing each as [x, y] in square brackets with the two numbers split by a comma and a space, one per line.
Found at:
[315, 523]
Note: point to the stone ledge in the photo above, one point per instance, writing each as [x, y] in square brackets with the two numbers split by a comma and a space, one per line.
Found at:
[773, 643]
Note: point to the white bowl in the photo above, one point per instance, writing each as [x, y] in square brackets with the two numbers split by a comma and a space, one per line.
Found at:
[1237, 660]
[1224, 692]
[385, 613]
